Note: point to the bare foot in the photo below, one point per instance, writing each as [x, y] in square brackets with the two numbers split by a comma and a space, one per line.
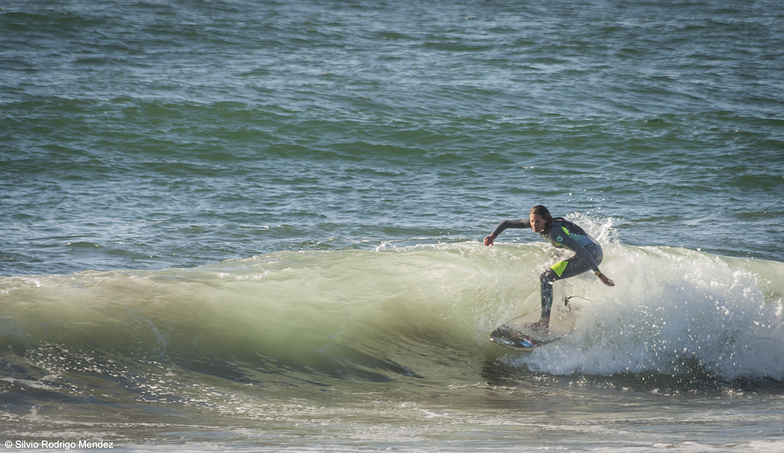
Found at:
[543, 325]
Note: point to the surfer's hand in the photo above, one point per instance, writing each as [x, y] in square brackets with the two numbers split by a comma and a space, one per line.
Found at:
[606, 280]
[489, 240]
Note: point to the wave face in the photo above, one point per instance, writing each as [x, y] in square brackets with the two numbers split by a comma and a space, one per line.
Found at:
[305, 321]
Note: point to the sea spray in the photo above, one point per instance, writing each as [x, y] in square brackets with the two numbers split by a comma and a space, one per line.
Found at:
[676, 312]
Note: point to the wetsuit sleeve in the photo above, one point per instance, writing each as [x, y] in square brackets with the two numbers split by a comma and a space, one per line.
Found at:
[521, 223]
[560, 237]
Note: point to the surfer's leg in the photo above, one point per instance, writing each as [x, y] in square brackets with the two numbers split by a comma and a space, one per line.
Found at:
[546, 281]
[563, 269]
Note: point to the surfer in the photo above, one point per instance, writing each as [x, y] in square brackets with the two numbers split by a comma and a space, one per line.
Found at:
[560, 233]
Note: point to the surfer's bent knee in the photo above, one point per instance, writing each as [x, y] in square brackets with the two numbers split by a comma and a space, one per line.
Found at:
[548, 276]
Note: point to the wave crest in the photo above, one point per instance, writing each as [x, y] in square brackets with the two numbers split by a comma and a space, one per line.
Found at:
[377, 314]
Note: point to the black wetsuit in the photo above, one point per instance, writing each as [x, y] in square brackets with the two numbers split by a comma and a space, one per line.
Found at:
[561, 233]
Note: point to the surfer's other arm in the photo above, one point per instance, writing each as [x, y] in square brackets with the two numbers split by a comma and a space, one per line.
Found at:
[565, 240]
[604, 278]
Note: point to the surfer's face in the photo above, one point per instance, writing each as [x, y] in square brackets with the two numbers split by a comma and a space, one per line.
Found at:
[537, 223]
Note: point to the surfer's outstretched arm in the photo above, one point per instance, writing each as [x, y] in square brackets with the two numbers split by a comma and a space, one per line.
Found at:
[520, 223]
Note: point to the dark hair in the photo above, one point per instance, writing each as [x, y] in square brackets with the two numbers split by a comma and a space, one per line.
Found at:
[543, 213]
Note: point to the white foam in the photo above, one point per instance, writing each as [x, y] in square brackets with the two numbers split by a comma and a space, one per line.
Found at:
[675, 312]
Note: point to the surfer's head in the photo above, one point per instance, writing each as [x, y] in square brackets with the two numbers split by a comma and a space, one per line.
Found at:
[540, 218]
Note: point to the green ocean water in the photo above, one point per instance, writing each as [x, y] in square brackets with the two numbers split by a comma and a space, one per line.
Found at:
[256, 225]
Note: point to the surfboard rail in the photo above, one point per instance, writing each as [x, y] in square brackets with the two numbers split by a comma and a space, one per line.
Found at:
[521, 334]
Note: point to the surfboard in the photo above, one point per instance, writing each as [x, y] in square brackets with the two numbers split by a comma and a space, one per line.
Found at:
[518, 333]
